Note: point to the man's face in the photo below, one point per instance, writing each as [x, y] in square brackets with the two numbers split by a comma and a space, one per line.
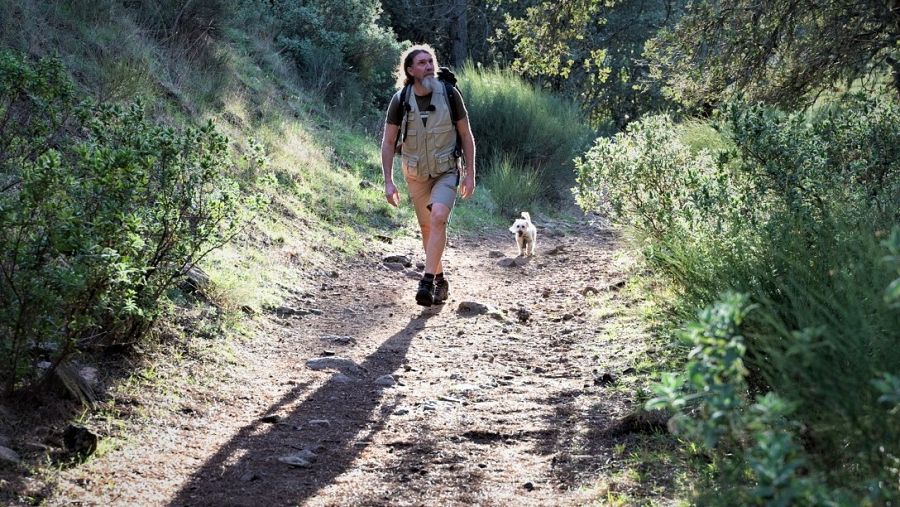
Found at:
[422, 66]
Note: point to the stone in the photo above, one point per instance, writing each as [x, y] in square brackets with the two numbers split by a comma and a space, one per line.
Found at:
[523, 315]
[9, 456]
[342, 364]
[250, 476]
[386, 381]
[80, 440]
[401, 411]
[495, 254]
[341, 340]
[403, 260]
[295, 461]
[470, 308]
[195, 281]
[528, 486]
[340, 378]
[605, 379]
[507, 262]
[320, 422]
[394, 266]
[271, 419]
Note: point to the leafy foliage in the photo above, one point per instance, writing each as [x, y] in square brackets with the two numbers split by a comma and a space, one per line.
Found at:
[781, 52]
[592, 49]
[790, 209]
[341, 49]
[101, 211]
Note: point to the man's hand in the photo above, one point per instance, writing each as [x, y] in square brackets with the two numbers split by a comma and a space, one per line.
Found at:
[468, 186]
[391, 194]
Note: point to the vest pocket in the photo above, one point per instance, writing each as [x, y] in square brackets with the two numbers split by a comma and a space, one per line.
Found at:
[410, 143]
[411, 169]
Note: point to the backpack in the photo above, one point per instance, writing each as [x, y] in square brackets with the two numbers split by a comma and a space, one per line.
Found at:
[448, 78]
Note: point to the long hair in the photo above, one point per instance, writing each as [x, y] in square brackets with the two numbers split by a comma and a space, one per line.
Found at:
[406, 61]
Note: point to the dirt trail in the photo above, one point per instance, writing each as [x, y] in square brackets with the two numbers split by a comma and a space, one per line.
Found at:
[492, 409]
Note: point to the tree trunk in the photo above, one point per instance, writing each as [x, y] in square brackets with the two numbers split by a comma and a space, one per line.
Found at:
[459, 34]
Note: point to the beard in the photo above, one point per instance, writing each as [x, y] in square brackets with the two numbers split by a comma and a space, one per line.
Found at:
[429, 82]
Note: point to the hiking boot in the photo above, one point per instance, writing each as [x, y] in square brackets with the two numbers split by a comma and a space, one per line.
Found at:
[441, 291]
[425, 294]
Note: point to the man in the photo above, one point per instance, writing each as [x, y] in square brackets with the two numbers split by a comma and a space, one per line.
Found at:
[429, 155]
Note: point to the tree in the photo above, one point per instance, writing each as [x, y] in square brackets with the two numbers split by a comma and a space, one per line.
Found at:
[592, 49]
[779, 51]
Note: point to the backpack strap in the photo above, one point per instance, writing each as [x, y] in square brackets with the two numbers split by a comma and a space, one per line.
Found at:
[401, 133]
[450, 90]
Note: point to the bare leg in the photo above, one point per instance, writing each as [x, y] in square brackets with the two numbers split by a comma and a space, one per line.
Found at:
[434, 237]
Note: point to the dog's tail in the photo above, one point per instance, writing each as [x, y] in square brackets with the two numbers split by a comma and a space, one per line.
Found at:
[526, 216]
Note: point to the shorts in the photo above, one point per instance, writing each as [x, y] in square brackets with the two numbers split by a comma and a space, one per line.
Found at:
[425, 193]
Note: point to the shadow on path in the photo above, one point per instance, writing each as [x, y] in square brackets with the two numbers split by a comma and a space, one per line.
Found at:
[246, 470]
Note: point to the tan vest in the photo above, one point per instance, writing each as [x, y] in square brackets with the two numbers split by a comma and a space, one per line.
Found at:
[428, 150]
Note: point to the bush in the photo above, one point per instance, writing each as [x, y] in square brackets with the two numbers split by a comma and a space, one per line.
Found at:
[101, 213]
[341, 50]
[513, 188]
[791, 210]
[510, 117]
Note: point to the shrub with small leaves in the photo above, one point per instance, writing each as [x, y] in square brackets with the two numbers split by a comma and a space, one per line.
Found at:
[101, 213]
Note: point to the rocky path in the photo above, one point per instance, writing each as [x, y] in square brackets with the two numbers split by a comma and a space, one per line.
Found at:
[360, 397]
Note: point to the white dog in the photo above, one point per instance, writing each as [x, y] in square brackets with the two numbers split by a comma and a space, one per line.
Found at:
[526, 234]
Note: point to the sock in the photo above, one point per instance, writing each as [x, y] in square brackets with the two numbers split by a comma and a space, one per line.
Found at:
[428, 277]
[438, 277]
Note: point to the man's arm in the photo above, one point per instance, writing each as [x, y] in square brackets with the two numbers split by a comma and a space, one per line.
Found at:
[387, 163]
[468, 145]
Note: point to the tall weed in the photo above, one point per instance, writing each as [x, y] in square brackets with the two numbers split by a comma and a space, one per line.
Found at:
[513, 187]
[509, 116]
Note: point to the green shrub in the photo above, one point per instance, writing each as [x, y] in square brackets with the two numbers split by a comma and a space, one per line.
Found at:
[790, 210]
[512, 118]
[513, 187]
[101, 213]
[341, 49]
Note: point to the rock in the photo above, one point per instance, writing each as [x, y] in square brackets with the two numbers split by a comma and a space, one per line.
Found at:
[412, 275]
[470, 308]
[494, 254]
[271, 419]
[8, 455]
[195, 281]
[250, 476]
[506, 262]
[295, 461]
[394, 266]
[341, 340]
[248, 310]
[320, 422]
[401, 411]
[558, 249]
[80, 440]
[340, 378]
[67, 377]
[420, 266]
[399, 259]
[523, 315]
[383, 238]
[528, 486]
[364, 184]
[464, 388]
[629, 371]
[589, 291]
[604, 380]
[342, 364]
[386, 381]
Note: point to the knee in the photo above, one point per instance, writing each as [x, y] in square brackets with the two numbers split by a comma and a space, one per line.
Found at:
[439, 215]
